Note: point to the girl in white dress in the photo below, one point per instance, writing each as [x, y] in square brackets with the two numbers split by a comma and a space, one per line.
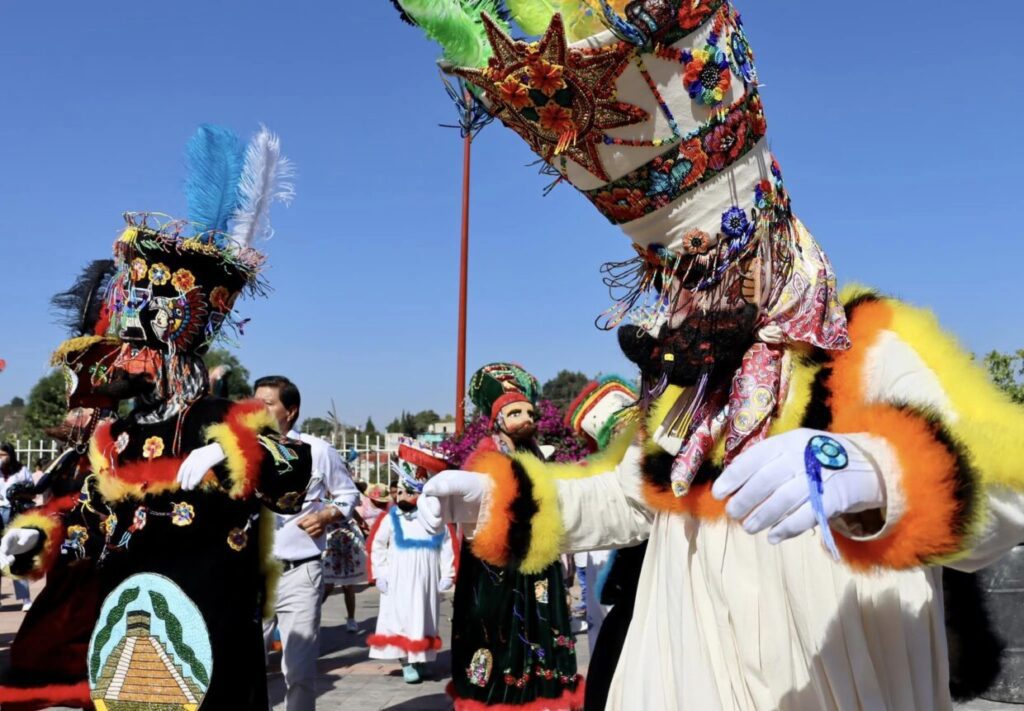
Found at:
[411, 568]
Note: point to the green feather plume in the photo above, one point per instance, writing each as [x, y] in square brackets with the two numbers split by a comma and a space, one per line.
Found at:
[456, 26]
[533, 16]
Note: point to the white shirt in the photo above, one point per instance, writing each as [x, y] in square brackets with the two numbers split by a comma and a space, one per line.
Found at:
[17, 478]
[330, 484]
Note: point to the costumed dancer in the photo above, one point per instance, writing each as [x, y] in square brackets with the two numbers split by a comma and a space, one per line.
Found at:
[805, 462]
[171, 514]
[599, 414]
[51, 645]
[411, 568]
[512, 645]
[17, 489]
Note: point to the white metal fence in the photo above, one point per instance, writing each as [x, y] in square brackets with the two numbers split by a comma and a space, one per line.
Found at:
[32, 451]
[369, 458]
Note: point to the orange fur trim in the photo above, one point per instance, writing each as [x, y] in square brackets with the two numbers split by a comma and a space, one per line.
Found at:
[490, 543]
[866, 322]
[238, 436]
[929, 525]
[698, 502]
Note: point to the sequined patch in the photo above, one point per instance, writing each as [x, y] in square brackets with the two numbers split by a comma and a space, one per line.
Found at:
[150, 648]
[480, 666]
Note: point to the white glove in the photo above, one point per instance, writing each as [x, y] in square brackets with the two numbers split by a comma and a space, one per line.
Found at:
[452, 497]
[198, 463]
[15, 542]
[382, 585]
[769, 488]
[446, 584]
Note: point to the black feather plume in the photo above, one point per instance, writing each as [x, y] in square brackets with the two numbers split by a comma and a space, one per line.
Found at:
[78, 308]
[403, 14]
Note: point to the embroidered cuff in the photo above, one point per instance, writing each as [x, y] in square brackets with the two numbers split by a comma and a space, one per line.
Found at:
[932, 493]
[36, 563]
[239, 437]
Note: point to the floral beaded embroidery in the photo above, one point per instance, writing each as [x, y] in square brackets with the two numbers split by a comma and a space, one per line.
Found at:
[153, 447]
[707, 76]
[238, 538]
[183, 280]
[159, 274]
[707, 152]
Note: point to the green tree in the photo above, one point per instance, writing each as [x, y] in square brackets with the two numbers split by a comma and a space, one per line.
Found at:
[1007, 371]
[424, 419]
[237, 380]
[317, 426]
[17, 402]
[47, 404]
[369, 428]
[564, 387]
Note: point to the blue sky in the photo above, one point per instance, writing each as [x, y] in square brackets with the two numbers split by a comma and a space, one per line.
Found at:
[896, 124]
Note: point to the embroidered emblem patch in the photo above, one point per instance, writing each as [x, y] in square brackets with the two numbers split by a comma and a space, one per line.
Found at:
[540, 591]
[238, 539]
[480, 666]
[150, 648]
[183, 514]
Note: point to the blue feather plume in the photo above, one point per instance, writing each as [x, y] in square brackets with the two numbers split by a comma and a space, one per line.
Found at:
[215, 158]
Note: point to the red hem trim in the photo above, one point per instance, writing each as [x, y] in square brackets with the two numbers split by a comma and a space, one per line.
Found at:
[51, 695]
[404, 643]
[369, 546]
[570, 700]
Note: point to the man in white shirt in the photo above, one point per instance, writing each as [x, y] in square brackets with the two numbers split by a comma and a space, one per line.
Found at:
[299, 543]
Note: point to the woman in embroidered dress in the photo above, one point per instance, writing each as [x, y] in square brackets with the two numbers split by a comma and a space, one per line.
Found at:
[411, 568]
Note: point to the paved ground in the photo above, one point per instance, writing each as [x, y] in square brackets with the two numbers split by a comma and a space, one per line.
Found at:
[348, 678]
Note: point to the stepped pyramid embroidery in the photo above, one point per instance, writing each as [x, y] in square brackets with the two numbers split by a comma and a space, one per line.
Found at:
[140, 675]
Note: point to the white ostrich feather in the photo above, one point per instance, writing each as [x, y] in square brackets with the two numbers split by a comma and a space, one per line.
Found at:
[266, 178]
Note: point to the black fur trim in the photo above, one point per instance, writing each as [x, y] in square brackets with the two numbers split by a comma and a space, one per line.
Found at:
[657, 469]
[866, 298]
[818, 415]
[966, 490]
[523, 509]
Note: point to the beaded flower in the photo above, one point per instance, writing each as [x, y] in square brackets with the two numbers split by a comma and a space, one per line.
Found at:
[707, 76]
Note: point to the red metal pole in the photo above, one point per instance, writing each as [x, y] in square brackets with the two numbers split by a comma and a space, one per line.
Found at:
[460, 368]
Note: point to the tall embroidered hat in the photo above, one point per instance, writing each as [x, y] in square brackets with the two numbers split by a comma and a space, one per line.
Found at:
[600, 409]
[651, 109]
[172, 285]
[499, 384]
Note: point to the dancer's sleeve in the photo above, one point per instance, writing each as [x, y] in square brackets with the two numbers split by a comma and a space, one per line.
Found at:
[261, 462]
[65, 525]
[447, 558]
[537, 510]
[948, 444]
[380, 539]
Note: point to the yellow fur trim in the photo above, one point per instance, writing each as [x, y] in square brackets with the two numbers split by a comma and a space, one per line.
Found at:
[546, 530]
[50, 527]
[989, 424]
[260, 421]
[235, 458]
[801, 383]
[74, 345]
[597, 463]
[270, 566]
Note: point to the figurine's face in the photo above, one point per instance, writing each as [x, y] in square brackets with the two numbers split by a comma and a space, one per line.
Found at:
[519, 420]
